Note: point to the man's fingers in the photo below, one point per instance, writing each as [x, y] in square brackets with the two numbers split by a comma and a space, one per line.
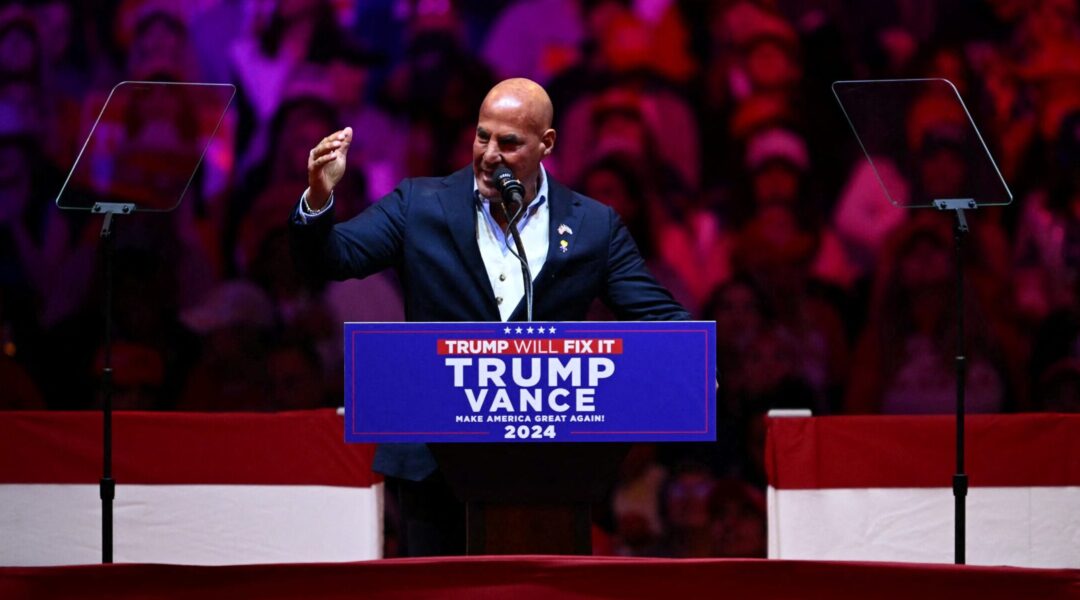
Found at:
[330, 148]
[329, 145]
[341, 135]
[322, 160]
[319, 154]
[326, 146]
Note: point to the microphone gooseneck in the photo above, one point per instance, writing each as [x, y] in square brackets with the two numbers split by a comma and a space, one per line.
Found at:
[513, 192]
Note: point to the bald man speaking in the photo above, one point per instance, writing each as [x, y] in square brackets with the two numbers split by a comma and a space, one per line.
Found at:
[447, 237]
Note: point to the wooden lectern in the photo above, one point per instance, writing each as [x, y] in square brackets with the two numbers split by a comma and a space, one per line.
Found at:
[530, 424]
[529, 498]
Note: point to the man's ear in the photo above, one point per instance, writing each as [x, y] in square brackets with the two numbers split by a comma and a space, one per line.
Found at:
[548, 140]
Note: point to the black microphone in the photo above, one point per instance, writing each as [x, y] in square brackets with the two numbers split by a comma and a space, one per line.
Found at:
[509, 187]
[513, 192]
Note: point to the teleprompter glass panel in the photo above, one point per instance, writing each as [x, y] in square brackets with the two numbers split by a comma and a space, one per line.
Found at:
[921, 141]
[146, 145]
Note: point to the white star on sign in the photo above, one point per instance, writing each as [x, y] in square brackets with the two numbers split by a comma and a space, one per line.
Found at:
[529, 330]
[506, 330]
[551, 330]
[518, 330]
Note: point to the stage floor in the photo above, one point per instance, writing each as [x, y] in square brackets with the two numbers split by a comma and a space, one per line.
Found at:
[543, 577]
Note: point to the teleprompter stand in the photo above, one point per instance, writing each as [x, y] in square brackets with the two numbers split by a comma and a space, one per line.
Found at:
[141, 156]
[107, 485]
[960, 479]
[922, 130]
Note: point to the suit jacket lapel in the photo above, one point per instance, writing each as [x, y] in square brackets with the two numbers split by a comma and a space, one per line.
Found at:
[460, 208]
[565, 210]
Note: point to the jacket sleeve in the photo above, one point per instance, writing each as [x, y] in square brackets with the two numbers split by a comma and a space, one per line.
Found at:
[630, 291]
[364, 245]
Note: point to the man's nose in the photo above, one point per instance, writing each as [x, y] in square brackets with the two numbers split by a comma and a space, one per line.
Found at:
[492, 156]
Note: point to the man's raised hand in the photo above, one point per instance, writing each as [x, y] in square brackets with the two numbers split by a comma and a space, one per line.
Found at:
[326, 166]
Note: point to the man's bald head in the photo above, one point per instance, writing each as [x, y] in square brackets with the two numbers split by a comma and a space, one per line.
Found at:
[524, 95]
[513, 130]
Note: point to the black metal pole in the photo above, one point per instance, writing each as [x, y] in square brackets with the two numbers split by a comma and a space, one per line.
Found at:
[526, 273]
[107, 484]
[960, 480]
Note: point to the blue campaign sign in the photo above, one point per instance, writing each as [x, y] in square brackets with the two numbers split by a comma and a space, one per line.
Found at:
[533, 382]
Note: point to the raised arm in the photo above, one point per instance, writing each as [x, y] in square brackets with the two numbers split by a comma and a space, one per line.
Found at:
[361, 246]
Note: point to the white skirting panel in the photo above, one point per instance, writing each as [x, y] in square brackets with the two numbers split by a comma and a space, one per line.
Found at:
[1016, 526]
[60, 524]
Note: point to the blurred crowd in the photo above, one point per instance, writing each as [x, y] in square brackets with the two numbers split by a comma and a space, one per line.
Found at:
[710, 126]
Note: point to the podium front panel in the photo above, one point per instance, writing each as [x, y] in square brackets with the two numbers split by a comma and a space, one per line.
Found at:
[530, 382]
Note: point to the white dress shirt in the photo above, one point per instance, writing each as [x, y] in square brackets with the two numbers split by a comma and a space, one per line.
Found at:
[503, 268]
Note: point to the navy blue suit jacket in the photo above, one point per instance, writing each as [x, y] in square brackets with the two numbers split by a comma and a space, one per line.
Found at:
[426, 230]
